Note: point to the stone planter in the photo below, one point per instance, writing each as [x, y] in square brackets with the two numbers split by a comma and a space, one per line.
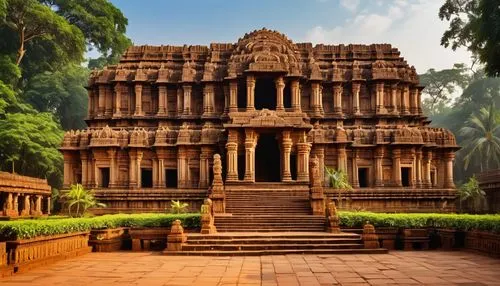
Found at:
[415, 238]
[107, 240]
[451, 239]
[484, 242]
[149, 238]
[24, 254]
[387, 237]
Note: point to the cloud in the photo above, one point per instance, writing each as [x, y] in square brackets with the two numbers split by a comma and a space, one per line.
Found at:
[411, 26]
[350, 5]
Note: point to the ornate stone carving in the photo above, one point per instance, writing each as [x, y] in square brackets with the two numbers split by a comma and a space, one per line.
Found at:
[207, 218]
[332, 218]
[370, 238]
[177, 238]
[316, 194]
[217, 193]
[188, 72]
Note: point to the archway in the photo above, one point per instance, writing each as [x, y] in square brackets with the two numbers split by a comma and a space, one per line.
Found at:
[265, 93]
[267, 159]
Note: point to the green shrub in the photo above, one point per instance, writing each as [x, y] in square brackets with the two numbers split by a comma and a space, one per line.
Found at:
[415, 220]
[24, 229]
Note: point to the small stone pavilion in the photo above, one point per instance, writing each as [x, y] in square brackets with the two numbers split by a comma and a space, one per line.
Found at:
[268, 106]
[22, 196]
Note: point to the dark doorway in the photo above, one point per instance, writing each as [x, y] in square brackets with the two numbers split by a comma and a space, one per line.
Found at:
[287, 96]
[171, 178]
[242, 94]
[241, 167]
[433, 178]
[293, 166]
[265, 93]
[20, 203]
[267, 159]
[363, 177]
[146, 178]
[405, 176]
[104, 177]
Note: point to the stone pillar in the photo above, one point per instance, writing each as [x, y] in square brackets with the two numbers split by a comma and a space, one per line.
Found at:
[84, 159]
[287, 149]
[138, 99]
[380, 98]
[68, 170]
[9, 209]
[356, 87]
[90, 102]
[303, 149]
[396, 167]
[414, 101]
[161, 173]
[27, 206]
[316, 99]
[205, 155]
[337, 98]
[162, 100]
[419, 99]
[112, 168]
[232, 156]
[405, 100]
[226, 99]
[208, 100]
[448, 170]
[118, 99]
[394, 93]
[182, 167]
[250, 93]
[295, 90]
[180, 101]
[95, 171]
[418, 169]
[15, 202]
[38, 205]
[138, 168]
[250, 143]
[187, 99]
[342, 158]
[355, 179]
[427, 170]
[280, 86]
[132, 179]
[109, 101]
[379, 155]
[233, 96]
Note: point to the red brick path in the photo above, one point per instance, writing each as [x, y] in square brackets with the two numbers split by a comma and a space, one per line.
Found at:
[396, 268]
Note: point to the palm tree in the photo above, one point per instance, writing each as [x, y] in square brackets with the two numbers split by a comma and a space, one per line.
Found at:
[482, 138]
[338, 180]
[80, 198]
[471, 192]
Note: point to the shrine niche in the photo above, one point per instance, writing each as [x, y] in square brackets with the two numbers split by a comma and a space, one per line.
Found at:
[267, 106]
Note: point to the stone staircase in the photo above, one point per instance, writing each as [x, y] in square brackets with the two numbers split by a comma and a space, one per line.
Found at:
[271, 219]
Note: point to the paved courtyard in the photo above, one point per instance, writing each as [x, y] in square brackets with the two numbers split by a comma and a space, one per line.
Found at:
[146, 268]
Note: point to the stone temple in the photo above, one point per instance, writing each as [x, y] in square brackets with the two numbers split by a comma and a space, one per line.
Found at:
[270, 108]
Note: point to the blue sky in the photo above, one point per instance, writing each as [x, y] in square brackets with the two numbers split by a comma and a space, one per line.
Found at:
[410, 25]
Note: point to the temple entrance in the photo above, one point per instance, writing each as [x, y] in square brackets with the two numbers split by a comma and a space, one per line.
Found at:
[405, 176]
[265, 93]
[104, 177]
[171, 178]
[363, 177]
[267, 159]
[146, 178]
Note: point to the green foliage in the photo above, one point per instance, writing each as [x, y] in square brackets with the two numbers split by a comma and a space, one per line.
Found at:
[80, 199]
[177, 207]
[474, 24]
[24, 229]
[340, 181]
[482, 138]
[414, 220]
[471, 191]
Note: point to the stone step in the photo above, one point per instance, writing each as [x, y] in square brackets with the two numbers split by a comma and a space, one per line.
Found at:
[296, 241]
[273, 229]
[277, 252]
[275, 235]
[244, 247]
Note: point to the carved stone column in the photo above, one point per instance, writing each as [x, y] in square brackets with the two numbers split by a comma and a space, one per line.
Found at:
[250, 93]
[118, 99]
[396, 167]
[138, 99]
[303, 149]
[161, 173]
[394, 94]
[418, 169]
[180, 101]
[448, 170]
[38, 205]
[316, 99]
[379, 155]
[162, 100]
[427, 170]
[405, 100]
[287, 149]
[68, 170]
[250, 143]
[27, 206]
[15, 202]
[205, 156]
[208, 100]
[226, 99]
[84, 159]
[233, 96]
[138, 168]
[155, 172]
[109, 101]
[280, 87]
[295, 90]
[414, 101]
[419, 99]
[101, 100]
[187, 99]
[380, 98]
[95, 175]
[9, 209]
[232, 156]
[132, 177]
[182, 167]
[355, 179]
[342, 158]
[90, 102]
[112, 168]
[356, 87]
[337, 98]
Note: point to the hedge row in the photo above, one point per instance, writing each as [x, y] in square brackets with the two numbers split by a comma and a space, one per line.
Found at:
[24, 229]
[464, 222]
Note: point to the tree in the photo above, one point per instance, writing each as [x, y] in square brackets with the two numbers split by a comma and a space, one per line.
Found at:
[440, 85]
[471, 192]
[474, 24]
[482, 138]
[338, 180]
[81, 199]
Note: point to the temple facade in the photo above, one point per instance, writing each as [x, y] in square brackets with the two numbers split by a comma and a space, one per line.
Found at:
[268, 106]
